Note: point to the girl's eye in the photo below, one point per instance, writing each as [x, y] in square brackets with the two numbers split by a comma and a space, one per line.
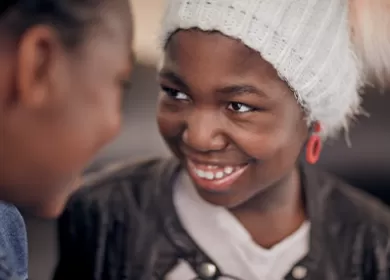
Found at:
[175, 94]
[240, 107]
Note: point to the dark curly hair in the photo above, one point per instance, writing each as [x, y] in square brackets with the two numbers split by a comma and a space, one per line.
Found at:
[71, 18]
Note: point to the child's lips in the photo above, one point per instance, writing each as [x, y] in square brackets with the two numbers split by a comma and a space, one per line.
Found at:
[215, 177]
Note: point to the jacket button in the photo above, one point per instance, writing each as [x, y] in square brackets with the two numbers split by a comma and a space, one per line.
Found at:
[299, 272]
[207, 270]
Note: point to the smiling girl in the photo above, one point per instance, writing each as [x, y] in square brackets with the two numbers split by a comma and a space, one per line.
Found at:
[249, 91]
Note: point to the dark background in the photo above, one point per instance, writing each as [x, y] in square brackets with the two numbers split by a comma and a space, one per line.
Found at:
[365, 165]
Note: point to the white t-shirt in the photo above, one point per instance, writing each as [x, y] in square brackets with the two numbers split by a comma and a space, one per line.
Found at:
[221, 236]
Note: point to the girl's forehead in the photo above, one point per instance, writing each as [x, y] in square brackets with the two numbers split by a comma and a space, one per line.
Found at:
[117, 21]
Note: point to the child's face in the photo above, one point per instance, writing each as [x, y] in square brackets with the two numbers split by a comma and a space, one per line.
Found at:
[58, 108]
[227, 115]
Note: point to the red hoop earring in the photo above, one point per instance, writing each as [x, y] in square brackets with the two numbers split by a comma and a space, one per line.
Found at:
[314, 145]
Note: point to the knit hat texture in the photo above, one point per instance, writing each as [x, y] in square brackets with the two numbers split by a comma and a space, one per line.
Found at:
[307, 42]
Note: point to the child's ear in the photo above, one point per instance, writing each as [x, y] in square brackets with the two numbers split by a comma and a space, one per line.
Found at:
[36, 58]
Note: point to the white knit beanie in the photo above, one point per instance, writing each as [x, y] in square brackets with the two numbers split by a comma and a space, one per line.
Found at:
[307, 42]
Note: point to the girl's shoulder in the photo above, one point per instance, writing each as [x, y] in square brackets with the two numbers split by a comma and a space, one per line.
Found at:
[122, 186]
[108, 215]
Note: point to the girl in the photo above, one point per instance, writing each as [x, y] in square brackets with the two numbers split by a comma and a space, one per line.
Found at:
[58, 105]
[246, 88]
[63, 65]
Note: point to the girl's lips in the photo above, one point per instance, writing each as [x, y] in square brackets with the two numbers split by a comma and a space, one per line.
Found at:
[215, 178]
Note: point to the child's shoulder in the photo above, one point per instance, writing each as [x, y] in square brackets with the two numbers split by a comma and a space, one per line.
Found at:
[353, 205]
[125, 184]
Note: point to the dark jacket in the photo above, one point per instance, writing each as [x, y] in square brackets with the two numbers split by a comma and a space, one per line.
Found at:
[124, 226]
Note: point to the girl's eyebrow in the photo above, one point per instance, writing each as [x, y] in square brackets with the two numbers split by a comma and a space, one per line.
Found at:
[174, 78]
[241, 89]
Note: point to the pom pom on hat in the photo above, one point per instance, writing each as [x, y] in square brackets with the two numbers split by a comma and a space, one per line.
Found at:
[307, 42]
[370, 22]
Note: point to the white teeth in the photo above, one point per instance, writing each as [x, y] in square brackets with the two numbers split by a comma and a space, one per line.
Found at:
[228, 170]
[219, 175]
[200, 173]
[212, 175]
[209, 175]
[212, 166]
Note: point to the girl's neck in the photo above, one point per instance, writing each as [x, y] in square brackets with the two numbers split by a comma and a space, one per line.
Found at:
[274, 214]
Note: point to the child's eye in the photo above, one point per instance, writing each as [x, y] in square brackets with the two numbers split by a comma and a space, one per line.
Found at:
[240, 107]
[174, 94]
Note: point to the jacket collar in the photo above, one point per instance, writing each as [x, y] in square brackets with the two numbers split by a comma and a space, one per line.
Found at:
[315, 190]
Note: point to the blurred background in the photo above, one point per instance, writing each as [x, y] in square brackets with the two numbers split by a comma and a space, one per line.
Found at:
[366, 164]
